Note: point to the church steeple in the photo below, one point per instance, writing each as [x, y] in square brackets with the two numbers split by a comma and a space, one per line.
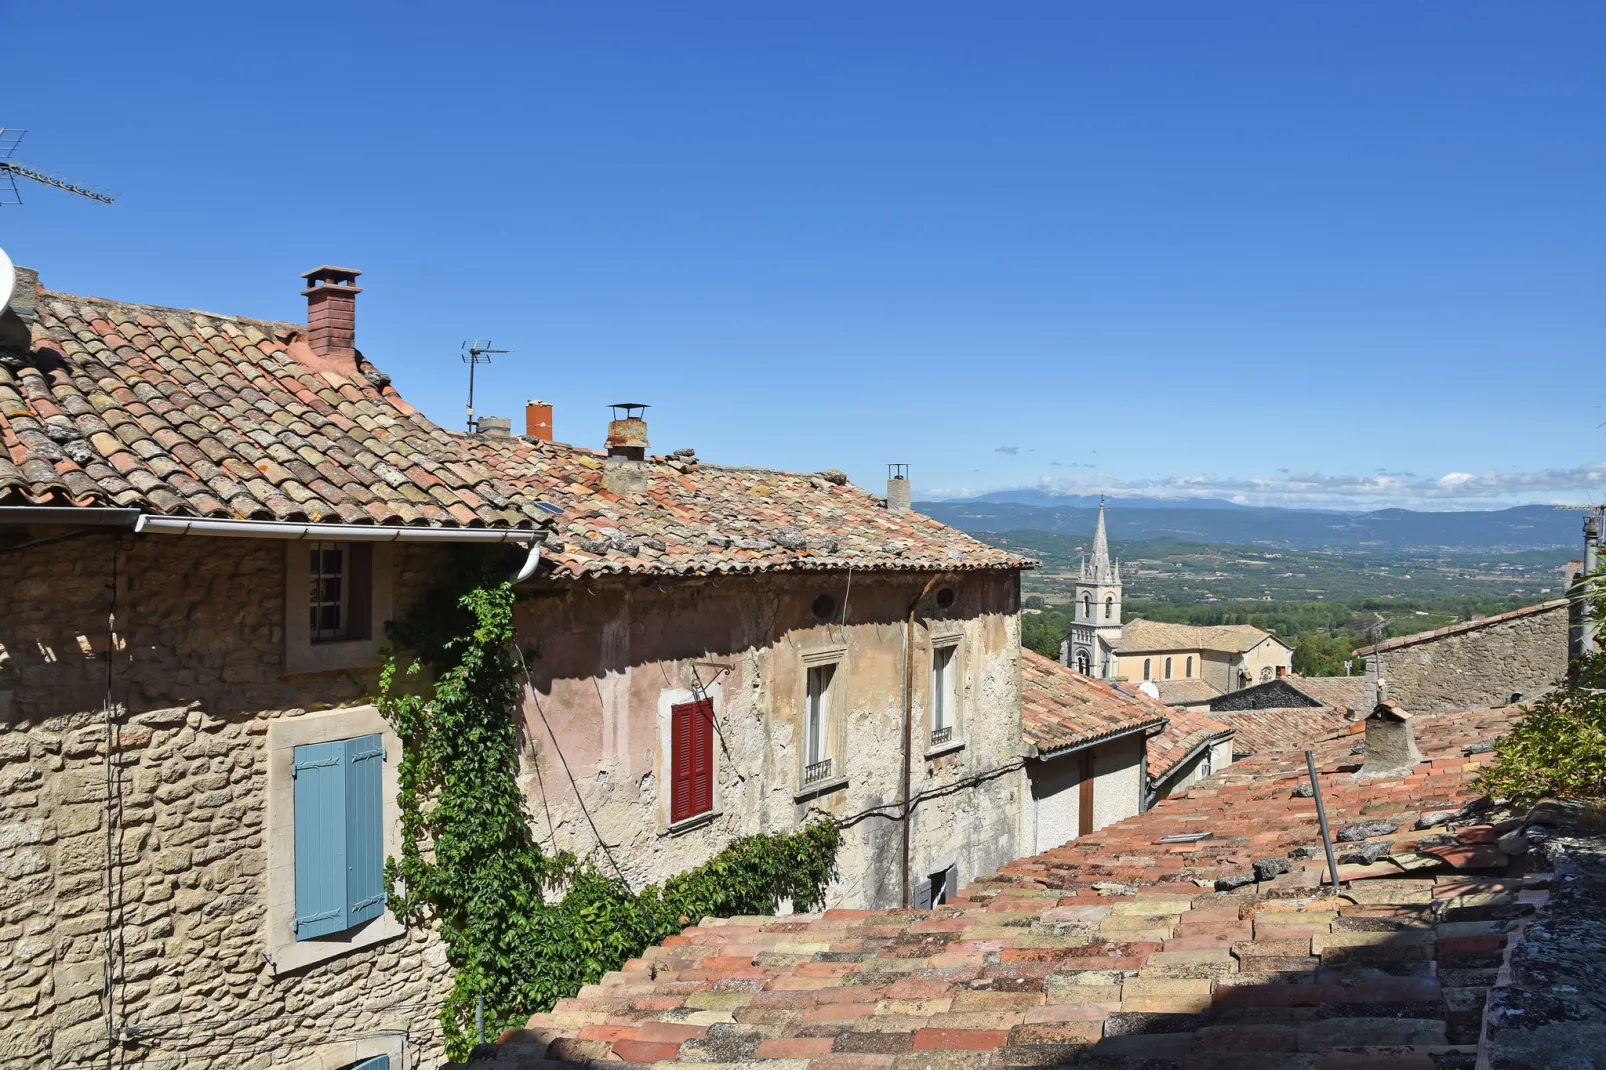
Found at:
[1090, 646]
[1101, 569]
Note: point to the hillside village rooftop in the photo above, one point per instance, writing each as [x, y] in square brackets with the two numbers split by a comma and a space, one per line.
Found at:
[1196, 934]
[186, 414]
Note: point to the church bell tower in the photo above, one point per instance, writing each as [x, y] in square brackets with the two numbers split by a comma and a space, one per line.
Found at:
[1090, 646]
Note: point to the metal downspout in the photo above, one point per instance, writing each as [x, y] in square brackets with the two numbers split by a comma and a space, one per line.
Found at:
[908, 722]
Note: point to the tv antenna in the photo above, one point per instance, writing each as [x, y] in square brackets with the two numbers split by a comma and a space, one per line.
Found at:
[11, 170]
[476, 353]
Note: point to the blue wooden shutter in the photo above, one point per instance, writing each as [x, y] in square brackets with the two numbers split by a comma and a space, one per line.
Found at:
[378, 1062]
[365, 829]
[320, 832]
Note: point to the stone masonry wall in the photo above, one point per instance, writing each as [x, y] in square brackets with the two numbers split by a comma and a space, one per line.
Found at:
[1481, 666]
[171, 875]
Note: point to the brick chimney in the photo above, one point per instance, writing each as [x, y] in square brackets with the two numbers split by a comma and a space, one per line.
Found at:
[331, 295]
[538, 420]
[1390, 744]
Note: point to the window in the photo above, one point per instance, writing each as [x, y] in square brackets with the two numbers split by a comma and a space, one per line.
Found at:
[339, 835]
[1265, 673]
[338, 596]
[1109, 606]
[327, 613]
[817, 724]
[1087, 607]
[1282, 670]
[1082, 664]
[937, 888]
[331, 860]
[943, 697]
[1146, 663]
[1190, 667]
[1168, 668]
[691, 760]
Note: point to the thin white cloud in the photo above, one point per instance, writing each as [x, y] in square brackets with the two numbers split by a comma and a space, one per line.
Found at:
[1452, 490]
[1006, 449]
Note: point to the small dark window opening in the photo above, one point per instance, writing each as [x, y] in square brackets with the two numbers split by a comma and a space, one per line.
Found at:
[1146, 663]
[937, 888]
[1109, 607]
[824, 607]
[945, 598]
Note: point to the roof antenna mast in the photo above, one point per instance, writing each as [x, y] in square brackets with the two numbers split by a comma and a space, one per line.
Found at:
[11, 170]
[475, 353]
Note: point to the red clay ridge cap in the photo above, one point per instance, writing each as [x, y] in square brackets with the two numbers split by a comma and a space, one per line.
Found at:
[1465, 626]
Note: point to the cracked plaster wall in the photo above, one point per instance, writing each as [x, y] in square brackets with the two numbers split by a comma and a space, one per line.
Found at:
[611, 659]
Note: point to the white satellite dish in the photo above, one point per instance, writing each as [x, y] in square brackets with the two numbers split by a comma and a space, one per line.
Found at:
[8, 279]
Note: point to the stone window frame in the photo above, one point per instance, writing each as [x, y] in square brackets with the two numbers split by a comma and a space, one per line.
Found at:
[301, 654]
[947, 639]
[284, 952]
[663, 771]
[836, 723]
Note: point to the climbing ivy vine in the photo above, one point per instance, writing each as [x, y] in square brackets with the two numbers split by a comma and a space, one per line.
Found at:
[469, 863]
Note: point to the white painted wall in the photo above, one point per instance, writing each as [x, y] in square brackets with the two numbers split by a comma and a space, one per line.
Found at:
[1056, 795]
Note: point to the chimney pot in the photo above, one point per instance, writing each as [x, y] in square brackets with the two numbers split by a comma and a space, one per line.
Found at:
[626, 470]
[899, 495]
[1390, 744]
[331, 295]
[627, 433]
[538, 420]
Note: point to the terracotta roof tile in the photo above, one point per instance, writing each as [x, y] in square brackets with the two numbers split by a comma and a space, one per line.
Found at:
[1062, 708]
[1185, 731]
[1185, 691]
[196, 414]
[1271, 731]
[1141, 635]
[1114, 950]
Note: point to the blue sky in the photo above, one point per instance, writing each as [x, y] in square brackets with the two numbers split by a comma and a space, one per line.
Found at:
[1337, 254]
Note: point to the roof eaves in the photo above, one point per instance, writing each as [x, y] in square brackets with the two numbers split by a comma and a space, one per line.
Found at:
[1093, 741]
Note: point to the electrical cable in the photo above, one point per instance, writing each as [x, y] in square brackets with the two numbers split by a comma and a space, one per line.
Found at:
[530, 683]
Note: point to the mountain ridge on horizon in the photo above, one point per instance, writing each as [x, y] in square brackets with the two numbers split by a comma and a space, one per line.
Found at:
[1521, 527]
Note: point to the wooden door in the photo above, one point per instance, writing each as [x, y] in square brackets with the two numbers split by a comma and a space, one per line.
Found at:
[1084, 807]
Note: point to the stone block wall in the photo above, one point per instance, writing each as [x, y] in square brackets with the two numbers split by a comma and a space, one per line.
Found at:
[1522, 653]
[150, 868]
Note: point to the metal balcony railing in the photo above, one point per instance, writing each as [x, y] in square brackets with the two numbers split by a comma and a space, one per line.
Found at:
[942, 735]
[813, 774]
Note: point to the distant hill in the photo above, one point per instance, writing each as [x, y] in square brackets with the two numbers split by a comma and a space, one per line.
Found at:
[1524, 527]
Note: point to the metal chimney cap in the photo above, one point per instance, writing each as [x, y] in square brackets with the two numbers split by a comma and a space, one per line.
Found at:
[627, 406]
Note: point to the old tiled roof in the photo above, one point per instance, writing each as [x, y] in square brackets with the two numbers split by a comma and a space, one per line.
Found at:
[1292, 728]
[1185, 691]
[700, 518]
[1340, 692]
[200, 415]
[1185, 730]
[1062, 708]
[1465, 626]
[1117, 950]
[1142, 636]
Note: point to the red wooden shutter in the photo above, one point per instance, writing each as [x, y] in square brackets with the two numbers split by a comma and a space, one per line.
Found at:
[702, 781]
[682, 730]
